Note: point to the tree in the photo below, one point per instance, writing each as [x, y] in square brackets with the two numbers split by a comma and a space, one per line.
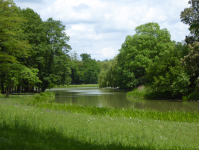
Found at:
[34, 32]
[108, 75]
[139, 51]
[190, 61]
[12, 48]
[84, 71]
[90, 69]
[191, 64]
[85, 57]
[190, 17]
[54, 55]
[16, 73]
[166, 78]
[49, 49]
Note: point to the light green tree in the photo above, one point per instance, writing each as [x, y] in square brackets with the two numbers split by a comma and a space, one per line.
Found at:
[12, 47]
[139, 51]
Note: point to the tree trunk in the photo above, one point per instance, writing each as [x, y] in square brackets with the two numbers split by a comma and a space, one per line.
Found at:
[39, 88]
[7, 91]
[20, 89]
[2, 87]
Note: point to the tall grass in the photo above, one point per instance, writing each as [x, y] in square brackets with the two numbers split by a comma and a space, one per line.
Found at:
[116, 112]
[27, 127]
[137, 93]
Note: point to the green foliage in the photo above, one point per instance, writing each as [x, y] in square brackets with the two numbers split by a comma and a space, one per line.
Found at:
[190, 17]
[191, 65]
[14, 49]
[192, 96]
[11, 47]
[139, 51]
[137, 93]
[49, 48]
[166, 77]
[16, 72]
[91, 71]
[42, 97]
[85, 71]
[108, 75]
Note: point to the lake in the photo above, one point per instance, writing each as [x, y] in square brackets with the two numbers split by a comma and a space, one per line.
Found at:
[115, 98]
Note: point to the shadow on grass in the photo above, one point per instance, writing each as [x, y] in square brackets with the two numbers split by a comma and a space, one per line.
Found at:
[23, 136]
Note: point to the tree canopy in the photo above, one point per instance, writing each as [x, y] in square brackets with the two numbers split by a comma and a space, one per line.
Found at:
[139, 51]
[33, 53]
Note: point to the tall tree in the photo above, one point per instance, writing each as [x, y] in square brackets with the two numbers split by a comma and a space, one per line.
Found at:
[56, 49]
[34, 32]
[191, 64]
[49, 49]
[12, 48]
[190, 16]
[139, 51]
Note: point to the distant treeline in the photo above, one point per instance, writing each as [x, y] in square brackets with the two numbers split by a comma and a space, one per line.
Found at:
[168, 69]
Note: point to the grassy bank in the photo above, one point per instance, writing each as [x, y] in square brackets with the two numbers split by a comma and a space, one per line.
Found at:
[56, 126]
[137, 93]
[81, 85]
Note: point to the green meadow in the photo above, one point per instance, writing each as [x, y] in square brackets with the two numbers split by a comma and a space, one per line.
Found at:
[37, 122]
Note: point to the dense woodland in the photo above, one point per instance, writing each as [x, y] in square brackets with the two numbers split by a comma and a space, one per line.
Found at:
[34, 56]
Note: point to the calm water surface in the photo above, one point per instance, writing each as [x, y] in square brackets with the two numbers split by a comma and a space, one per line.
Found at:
[106, 97]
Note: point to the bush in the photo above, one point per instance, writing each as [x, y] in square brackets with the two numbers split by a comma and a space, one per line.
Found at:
[192, 96]
[43, 97]
[137, 93]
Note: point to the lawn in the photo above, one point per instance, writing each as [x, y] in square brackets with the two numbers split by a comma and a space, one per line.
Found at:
[26, 123]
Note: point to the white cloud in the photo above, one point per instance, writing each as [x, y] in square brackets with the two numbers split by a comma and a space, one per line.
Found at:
[107, 53]
[99, 27]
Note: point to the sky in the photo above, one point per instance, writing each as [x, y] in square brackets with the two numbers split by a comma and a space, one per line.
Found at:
[99, 27]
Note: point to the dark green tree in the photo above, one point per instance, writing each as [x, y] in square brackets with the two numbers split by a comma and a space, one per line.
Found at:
[90, 68]
[54, 55]
[166, 77]
[190, 16]
[34, 32]
[76, 69]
